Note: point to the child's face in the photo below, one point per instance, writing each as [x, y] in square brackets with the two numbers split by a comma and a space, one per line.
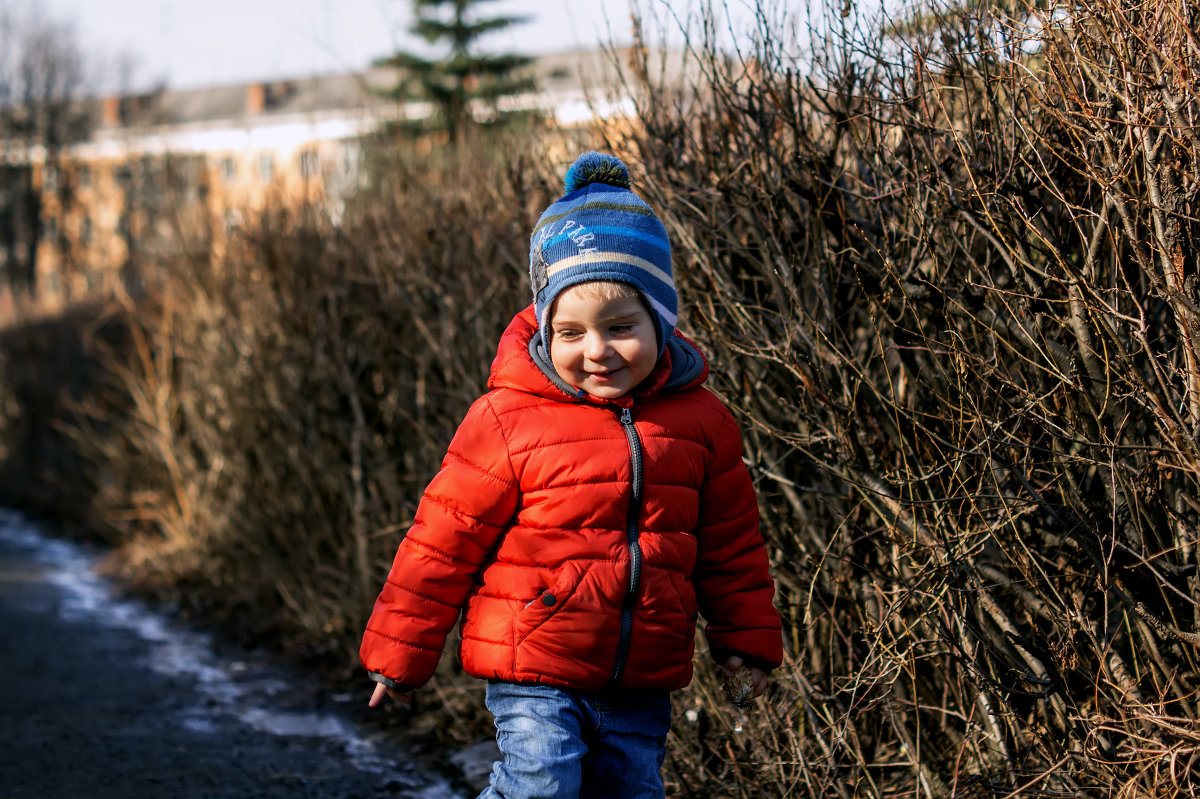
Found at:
[605, 346]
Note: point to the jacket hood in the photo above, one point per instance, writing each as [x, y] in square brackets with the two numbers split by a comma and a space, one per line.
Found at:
[522, 363]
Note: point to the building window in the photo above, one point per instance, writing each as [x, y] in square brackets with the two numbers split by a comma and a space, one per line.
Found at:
[351, 160]
[266, 167]
[85, 231]
[228, 168]
[85, 176]
[310, 163]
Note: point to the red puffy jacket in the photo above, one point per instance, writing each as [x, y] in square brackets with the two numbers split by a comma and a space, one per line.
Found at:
[581, 536]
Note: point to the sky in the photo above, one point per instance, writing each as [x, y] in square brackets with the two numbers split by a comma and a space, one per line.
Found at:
[190, 43]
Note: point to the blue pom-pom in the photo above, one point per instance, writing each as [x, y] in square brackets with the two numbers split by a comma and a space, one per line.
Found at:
[597, 167]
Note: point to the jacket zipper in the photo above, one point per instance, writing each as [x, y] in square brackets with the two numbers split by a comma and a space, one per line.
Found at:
[635, 548]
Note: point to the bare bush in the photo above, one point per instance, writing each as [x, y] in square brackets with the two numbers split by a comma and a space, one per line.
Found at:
[947, 268]
[289, 406]
[48, 367]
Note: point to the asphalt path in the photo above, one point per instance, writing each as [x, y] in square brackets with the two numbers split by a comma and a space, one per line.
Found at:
[99, 697]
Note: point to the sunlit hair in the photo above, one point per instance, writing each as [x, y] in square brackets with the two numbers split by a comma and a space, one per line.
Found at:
[603, 290]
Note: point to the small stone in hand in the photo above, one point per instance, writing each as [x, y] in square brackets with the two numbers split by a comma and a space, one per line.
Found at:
[738, 687]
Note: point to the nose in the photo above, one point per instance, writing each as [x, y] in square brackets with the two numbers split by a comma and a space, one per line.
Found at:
[596, 347]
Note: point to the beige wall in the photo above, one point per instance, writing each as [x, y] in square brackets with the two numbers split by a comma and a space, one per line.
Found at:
[181, 202]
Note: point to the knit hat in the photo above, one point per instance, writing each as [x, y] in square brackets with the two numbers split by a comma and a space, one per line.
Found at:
[600, 230]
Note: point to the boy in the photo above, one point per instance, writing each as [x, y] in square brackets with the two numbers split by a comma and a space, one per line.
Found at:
[590, 505]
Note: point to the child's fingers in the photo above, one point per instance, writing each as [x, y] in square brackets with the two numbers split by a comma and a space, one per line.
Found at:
[381, 689]
[758, 679]
[377, 694]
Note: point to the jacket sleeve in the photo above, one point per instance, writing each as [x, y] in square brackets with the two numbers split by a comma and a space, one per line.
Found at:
[733, 584]
[460, 517]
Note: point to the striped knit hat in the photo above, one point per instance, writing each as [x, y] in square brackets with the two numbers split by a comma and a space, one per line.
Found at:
[600, 230]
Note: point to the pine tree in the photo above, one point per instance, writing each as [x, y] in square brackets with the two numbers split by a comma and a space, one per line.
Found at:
[462, 80]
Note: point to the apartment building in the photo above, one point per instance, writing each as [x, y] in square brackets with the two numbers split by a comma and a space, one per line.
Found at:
[168, 175]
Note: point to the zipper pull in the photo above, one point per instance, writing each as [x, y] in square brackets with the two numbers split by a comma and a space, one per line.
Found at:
[626, 416]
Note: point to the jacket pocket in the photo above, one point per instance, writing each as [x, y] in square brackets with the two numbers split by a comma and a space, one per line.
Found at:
[686, 591]
[667, 612]
[572, 639]
[551, 601]
[664, 632]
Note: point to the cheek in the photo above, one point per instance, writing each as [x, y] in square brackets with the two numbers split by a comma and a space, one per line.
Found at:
[644, 358]
[561, 356]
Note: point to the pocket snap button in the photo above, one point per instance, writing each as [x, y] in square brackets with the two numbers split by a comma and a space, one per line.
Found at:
[548, 600]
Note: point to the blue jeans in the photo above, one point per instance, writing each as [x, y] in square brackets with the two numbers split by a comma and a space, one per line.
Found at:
[563, 744]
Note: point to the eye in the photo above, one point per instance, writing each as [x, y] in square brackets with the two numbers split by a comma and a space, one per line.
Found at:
[621, 330]
[566, 335]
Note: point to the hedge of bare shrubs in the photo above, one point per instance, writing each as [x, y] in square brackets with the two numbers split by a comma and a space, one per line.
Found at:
[946, 270]
[949, 275]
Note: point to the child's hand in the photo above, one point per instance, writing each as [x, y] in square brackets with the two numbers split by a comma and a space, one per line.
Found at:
[381, 689]
[753, 681]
